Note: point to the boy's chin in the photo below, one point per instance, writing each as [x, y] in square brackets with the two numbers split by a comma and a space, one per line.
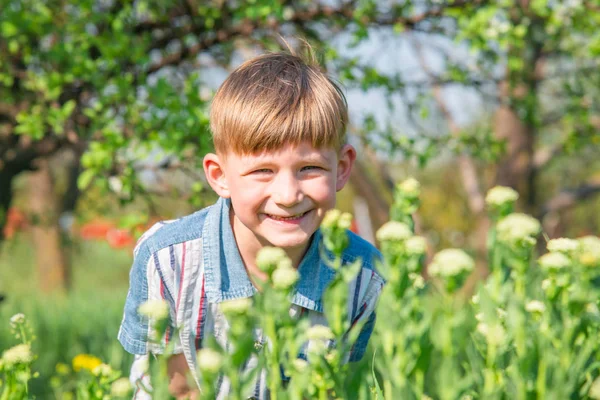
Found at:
[288, 241]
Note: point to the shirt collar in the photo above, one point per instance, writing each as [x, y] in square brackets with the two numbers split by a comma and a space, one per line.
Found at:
[226, 276]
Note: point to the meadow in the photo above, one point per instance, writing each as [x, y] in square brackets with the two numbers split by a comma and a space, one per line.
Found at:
[529, 330]
[84, 322]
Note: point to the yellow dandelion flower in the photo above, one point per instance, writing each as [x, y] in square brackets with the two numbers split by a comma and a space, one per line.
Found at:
[85, 361]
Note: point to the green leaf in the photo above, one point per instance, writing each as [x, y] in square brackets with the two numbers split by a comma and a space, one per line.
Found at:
[86, 177]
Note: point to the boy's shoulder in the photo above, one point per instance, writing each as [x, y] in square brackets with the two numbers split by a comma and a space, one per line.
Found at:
[361, 248]
[169, 232]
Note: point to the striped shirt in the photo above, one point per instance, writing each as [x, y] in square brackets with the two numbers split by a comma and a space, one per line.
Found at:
[193, 263]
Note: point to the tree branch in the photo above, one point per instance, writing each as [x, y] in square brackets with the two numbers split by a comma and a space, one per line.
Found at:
[569, 197]
[467, 166]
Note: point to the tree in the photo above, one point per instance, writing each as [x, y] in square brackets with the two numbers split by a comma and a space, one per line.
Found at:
[111, 82]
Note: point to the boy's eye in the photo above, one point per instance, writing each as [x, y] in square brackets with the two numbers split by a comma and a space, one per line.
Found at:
[310, 167]
[261, 171]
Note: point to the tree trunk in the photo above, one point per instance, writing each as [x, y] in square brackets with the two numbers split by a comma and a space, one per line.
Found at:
[516, 167]
[6, 178]
[52, 263]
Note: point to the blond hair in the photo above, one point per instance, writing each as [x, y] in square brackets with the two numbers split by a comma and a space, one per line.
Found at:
[274, 100]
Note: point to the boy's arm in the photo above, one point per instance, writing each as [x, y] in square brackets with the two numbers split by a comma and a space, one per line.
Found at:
[178, 371]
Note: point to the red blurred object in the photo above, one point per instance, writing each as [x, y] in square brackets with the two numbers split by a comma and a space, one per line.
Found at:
[120, 238]
[95, 230]
[354, 226]
[16, 221]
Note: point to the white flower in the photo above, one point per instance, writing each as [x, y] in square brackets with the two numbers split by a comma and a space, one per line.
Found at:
[115, 184]
[103, 370]
[450, 262]
[120, 388]
[563, 245]
[300, 364]
[284, 277]
[554, 261]
[479, 316]
[269, 257]
[345, 221]
[411, 187]
[475, 298]
[393, 231]
[518, 227]
[17, 319]
[500, 195]
[590, 250]
[331, 218]
[154, 309]
[335, 218]
[19, 354]
[535, 306]
[594, 392]
[236, 306]
[416, 245]
[209, 360]
[501, 313]
[494, 334]
[288, 13]
[592, 308]
[319, 332]
[546, 284]
[417, 280]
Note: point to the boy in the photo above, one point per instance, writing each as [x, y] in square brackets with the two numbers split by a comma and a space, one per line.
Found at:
[279, 130]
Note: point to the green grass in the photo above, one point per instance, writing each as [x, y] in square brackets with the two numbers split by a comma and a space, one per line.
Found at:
[85, 321]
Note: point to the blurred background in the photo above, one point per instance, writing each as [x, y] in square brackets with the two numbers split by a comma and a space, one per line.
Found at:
[104, 123]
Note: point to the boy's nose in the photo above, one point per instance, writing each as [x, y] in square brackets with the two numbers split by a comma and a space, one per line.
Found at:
[287, 192]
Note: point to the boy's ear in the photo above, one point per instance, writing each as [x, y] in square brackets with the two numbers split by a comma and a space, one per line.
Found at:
[215, 174]
[346, 158]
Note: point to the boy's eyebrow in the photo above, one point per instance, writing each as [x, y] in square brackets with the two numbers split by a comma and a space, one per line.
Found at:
[252, 161]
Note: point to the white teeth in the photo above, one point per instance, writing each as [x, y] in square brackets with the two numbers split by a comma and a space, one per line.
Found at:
[275, 217]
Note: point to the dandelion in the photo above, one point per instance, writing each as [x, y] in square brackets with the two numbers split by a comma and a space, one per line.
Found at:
[535, 306]
[121, 388]
[284, 277]
[411, 187]
[85, 361]
[19, 354]
[269, 257]
[416, 245]
[319, 332]
[563, 245]
[499, 196]
[155, 309]
[450, 263]
[62, 369]
[102, 370]
[236, 306]
[209, 360]
[17, 320]
[518, 228]
[554, 261]
[393, 231]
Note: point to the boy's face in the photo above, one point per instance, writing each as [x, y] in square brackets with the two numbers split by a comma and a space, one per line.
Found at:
[280, 197]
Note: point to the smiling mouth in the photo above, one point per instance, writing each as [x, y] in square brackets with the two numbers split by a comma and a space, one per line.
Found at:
[292, 218]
